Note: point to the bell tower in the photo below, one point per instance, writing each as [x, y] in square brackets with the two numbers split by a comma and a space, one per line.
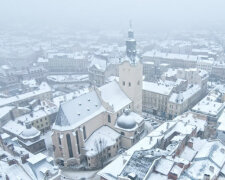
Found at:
[130, 73]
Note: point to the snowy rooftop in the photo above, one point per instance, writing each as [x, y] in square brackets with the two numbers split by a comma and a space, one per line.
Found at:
[37, 158]
[77, 111]
[43, 88]
[100, 64]
[37, 114]
[5, 110]
[209, 106]
[128, 121]
[174, 57]
[106, 135]
[164, 166]
[147, 143]
[157, 88]
[183, 96]
[20, 130]
[67, 78]
[213, 151]
[114, 96]
[221, 120]
[192, 119]
[199, 168]
[69, 96]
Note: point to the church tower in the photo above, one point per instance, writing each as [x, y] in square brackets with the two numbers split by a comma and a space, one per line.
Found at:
[130, 73]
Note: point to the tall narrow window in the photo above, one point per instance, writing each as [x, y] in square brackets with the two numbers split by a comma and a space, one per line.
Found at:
[84, 132]
[129, 84]
[78, 145]
[109, 118]
[123, 83]
[69, 144]
[59, 141]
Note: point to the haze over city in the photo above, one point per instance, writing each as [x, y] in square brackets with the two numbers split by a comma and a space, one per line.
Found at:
[112, 89]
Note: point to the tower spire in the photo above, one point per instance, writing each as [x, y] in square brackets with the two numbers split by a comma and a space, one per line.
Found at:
[131, 44]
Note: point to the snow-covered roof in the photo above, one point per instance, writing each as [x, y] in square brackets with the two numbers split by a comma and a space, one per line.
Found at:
[77, 111]
[112, 94]
[209, 106]
[171, 56]
[69, 96]
[147, 143]
[154, 176]
[37, 114]
[5, 110]
[43, 88]
[36, 158]
[214, 151]
[106, 135]
[183, 96]
[188, 153]
[199, 168]
[100, 64]
[128, 120]
[164, 166]
[157, 88]
[192, 119]
[20, 130]
[221, 120]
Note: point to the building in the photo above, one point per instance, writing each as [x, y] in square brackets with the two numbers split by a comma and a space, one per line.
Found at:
[43, 92]
[174, 60]
[65, 63]
[180, 102]
[211, 108]
[172, 151]
[27, 166]
[41, 117]
[28, 136]
[100, 69]
[94, 126]
[155, 97]
[141, 160]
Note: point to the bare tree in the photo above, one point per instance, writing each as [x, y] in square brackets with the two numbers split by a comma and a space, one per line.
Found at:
[100, 146]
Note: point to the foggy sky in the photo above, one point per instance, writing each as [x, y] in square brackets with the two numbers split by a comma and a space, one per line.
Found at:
[146, 15]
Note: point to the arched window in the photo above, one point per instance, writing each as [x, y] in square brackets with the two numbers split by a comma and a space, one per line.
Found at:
[69, 144]
[109, 118]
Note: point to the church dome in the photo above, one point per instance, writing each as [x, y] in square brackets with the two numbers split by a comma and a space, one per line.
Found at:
[126, 121]
[30, 133]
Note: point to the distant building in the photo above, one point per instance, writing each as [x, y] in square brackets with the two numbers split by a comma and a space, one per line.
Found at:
[64, 63]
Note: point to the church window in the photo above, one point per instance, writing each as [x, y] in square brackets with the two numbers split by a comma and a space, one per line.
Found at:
[69, 144]
[123, 83]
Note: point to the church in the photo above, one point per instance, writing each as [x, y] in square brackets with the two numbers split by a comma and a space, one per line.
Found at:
[93, 127]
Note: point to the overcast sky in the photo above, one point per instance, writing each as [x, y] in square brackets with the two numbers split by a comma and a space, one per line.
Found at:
[114, 14]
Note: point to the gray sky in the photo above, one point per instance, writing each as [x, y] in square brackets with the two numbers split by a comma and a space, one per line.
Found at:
[115, 14]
